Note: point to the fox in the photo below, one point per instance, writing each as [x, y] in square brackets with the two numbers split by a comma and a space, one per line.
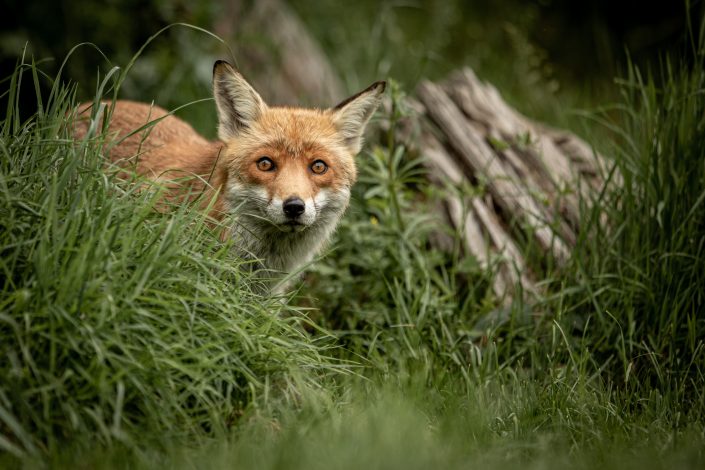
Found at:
[282, 174]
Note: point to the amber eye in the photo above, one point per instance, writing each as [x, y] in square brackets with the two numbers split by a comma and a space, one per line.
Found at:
[265, 164]
[319, 167]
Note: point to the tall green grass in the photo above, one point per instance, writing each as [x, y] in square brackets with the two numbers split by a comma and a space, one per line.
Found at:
[641, 277]
[117, 317]
[137, 328]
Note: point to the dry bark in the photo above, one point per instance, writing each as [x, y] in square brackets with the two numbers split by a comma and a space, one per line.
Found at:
[501, 180]
[483, 235]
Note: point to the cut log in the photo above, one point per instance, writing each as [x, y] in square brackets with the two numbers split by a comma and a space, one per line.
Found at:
[482, 102]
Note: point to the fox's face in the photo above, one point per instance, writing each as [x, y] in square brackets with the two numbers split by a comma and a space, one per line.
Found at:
[288, 168]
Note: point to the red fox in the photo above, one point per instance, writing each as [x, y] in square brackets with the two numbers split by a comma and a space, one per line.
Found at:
[283, 174]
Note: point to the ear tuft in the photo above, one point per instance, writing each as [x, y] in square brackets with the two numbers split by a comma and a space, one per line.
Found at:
[238, 104]
[352, 115]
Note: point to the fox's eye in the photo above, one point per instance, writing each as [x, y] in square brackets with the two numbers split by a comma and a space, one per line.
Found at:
[265, 164]
[319, 167]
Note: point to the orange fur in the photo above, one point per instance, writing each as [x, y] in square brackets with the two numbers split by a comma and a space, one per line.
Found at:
[170, 149]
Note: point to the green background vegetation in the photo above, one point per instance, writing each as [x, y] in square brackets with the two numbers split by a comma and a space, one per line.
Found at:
[133, 337]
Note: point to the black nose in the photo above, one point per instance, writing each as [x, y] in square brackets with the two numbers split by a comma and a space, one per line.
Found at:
[294, 207]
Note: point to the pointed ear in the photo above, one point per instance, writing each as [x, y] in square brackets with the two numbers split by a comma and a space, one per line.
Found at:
[238, 104]
[352, 115]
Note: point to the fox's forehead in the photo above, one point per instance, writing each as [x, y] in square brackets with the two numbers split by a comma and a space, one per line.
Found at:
[297, 119]
[298, 132]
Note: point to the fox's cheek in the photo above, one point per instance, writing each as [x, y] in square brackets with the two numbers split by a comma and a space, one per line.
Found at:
[276, 205]
[338, 197]
[253, 193]
[326, 180]
[234, 189]
[260, 193]
[331, 200]
[321, 198]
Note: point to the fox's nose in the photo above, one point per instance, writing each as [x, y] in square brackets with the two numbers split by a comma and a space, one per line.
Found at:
[294, 207]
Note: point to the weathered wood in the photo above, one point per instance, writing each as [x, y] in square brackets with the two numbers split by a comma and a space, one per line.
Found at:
[483, 103]
[502, 182]
[483, 233]
[499, 236]
[441, 166]
[552, 170]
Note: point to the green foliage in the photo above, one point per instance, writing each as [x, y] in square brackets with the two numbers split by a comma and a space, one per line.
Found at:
[136, 328]
[507, 423]
[394, 299]
[421, 39]
[640, 278]
[117, 317]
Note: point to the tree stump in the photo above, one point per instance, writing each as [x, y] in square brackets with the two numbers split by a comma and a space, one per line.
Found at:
[534, 177]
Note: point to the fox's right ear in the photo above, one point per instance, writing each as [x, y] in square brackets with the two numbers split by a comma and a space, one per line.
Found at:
[238, 104]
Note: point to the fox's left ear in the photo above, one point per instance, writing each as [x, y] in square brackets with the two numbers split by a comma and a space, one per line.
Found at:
[352, 115]
[238, 104]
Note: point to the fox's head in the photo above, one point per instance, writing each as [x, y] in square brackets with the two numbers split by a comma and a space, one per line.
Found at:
[289, 168]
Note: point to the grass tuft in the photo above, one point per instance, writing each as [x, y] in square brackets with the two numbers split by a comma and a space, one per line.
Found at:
[117, 317]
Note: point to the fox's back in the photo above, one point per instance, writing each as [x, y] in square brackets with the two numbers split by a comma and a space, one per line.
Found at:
[160, 150]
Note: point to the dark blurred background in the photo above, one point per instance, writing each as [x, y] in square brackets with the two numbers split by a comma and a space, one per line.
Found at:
[537, 52]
